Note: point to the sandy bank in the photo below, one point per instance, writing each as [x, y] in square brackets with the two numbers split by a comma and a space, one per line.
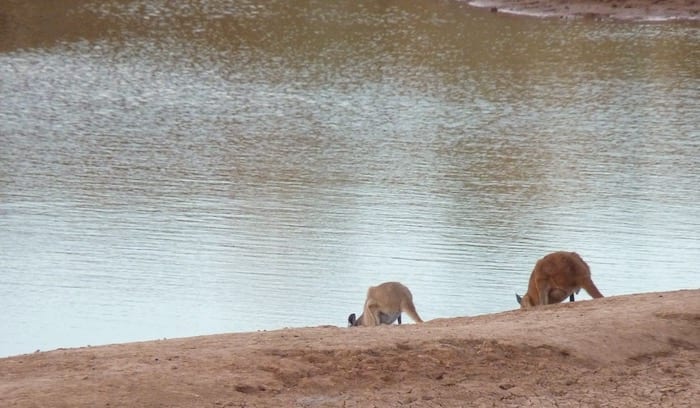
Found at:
[630, 10]
[636, 350]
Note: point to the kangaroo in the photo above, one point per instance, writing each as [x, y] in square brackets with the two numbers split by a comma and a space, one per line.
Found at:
[384, 305]
[557, 276]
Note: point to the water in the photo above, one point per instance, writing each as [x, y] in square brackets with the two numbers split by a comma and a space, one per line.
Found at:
[172, 169]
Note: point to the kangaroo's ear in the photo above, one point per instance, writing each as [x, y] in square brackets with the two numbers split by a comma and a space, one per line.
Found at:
[352, 319]
[519, 299]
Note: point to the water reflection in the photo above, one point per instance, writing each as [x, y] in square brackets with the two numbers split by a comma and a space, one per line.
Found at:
[173, 169]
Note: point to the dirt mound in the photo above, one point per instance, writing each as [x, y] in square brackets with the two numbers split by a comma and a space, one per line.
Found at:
[628, 10]
[637, 350]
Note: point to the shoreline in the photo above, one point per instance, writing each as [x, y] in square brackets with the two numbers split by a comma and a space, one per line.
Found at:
[630, 350]
[618, 10]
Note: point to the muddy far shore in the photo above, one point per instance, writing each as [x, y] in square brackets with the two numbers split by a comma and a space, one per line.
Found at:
[622, 351]
[626, 10]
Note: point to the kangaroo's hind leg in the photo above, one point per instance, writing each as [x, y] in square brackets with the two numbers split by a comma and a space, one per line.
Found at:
[543, 289]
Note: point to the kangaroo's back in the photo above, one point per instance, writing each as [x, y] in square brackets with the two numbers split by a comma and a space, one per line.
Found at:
[391, 295]
[564, 269]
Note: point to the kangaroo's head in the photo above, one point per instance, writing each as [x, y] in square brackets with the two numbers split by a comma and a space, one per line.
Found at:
[525, 301]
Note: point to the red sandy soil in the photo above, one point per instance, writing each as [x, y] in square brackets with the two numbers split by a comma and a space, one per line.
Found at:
[625, 351]
[642, 10]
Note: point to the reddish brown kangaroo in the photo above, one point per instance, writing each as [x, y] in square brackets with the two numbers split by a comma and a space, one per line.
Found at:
[384, 305]
[557, 276]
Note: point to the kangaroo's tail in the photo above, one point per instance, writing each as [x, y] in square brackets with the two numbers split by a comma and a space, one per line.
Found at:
[592, 289]
[410, 310]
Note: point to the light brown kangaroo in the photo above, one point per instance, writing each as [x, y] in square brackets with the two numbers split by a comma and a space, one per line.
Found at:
[384, 305]
[557, 276]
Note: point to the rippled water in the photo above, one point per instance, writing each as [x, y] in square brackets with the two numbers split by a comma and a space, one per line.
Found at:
[171, 169]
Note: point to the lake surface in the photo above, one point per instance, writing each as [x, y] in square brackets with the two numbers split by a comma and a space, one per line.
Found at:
[171, 169]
